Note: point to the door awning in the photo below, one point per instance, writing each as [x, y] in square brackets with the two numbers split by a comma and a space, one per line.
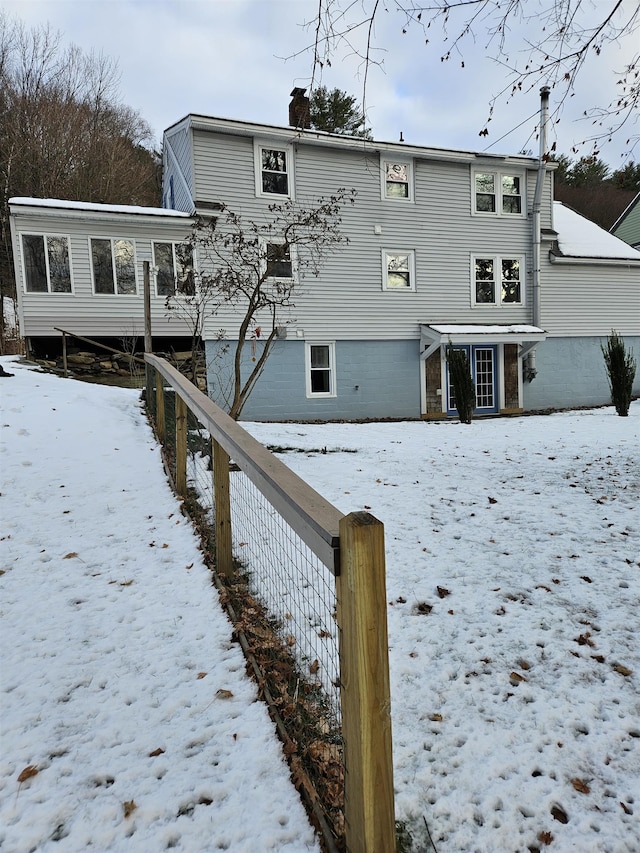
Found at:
[434, 336]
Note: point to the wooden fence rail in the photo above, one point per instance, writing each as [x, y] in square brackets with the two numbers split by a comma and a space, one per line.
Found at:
[352, 548]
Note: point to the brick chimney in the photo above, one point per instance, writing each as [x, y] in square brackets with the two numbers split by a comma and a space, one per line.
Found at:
[299, 109]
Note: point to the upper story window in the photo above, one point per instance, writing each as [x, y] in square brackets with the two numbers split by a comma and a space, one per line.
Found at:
[500, 193]
[47, 268]
[498, 281]
[273, 170]
[397, 180]
[278, 260]
[113, 265]
[398, 271]
[174, 265]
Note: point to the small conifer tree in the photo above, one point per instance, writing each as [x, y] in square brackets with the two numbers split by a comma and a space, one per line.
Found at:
[621, 370]
[462, 381]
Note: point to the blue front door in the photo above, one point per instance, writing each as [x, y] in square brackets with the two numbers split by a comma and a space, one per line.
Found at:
[483, 369]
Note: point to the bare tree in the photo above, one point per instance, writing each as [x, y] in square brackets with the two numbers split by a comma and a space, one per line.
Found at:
[63, 132]
[255, 269]
[538, 42]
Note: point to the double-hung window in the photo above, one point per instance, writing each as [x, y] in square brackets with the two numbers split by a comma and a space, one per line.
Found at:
[278, 261]
[47, 268]
[396, 180]
[273, 166]
[113, 265]
[320, 368]
[174, 269]
[499, 193]
[398, 270]
[498, 281]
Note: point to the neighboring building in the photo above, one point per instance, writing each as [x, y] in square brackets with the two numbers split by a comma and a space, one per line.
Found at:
[627, 226]
[79, 267]
[442, 248]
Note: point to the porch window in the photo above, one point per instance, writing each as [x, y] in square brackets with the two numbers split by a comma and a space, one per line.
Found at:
[320, 369]
[174, 265]
[47, 267]
[113, 266]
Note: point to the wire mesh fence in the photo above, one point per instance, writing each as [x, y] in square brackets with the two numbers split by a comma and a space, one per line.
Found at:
[283, 595]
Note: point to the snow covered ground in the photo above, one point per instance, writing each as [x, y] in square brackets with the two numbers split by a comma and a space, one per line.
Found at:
[513, 581]
[128, 722]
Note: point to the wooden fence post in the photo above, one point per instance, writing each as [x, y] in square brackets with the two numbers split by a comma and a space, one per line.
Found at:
[160, 416]
[181, 446]
[65, 370]
[365, 691]
[222, 503]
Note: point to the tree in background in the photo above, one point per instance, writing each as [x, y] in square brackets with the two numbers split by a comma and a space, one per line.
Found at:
[336, 111]
[63, 132]
[621, 371]
[256, 269]
[588, 186]
[536, 43]
[461, 380]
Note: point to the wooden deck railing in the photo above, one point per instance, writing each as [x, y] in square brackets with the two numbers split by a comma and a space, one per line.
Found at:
[352, 549]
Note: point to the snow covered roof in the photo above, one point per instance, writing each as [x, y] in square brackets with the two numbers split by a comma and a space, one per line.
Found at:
[578, 237]
[496, 329]
[130, 209]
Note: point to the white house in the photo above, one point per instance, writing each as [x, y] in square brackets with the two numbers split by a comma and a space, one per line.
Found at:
[444, 246]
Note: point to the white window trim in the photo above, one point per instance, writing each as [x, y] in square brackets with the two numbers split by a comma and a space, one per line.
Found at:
[113, 267]
[258, 145]
[49, 292]
[412, 270]
[332, 369]
[293, 255]
[383, 179]
[497, 267]
[155, 269]
[498, 174]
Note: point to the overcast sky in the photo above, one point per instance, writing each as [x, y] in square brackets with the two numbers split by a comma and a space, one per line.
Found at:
[228, 58]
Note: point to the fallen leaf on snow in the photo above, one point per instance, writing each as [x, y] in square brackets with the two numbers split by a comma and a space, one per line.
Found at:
[436, 718]
[156, 752]
[516, 678]
[443, 592]
[28, 773]
[558, 813]
[201, 675]
[70, 555]
[623, 670]
[581, 786]
[224, 694]
[129, 807]
[545, 837]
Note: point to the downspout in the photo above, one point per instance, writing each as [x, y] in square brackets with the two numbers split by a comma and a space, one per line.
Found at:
[531, 371]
